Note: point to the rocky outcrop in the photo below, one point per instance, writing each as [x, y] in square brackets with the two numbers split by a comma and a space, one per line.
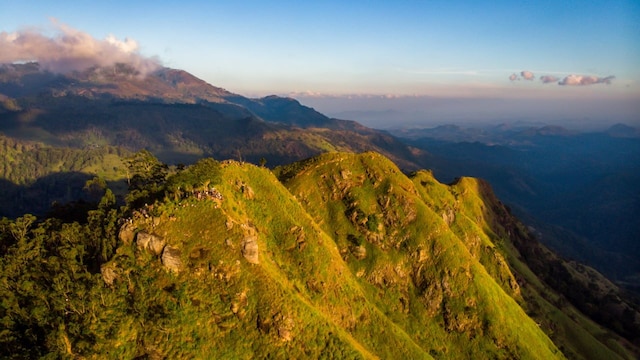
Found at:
[449, 216]
[171, 258]
[279, 324]
[127, 232]
[284, 327]
[239, 304]
[250, 249]
[152, 243]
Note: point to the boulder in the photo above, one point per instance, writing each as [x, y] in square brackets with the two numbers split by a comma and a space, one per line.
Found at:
[109, 274]
[152, 243]
[359, 252]
[284, 327]
[171, 258]
[250, 249]
[127, 233]
[239, 304]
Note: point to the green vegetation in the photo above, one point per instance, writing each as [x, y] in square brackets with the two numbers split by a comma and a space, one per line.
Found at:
[23, 162]
[414, 267]
[341, 256]
[34, 175]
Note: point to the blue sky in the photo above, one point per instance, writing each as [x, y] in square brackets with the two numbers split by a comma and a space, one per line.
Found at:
[364, 49]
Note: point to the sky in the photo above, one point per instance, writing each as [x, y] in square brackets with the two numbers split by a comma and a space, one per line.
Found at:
[385, 63]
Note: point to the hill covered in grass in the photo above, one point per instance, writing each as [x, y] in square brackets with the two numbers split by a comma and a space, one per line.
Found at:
[339, 256]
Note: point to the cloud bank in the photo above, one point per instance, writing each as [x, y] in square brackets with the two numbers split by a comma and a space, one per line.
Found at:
[71, 50]
[572, 80]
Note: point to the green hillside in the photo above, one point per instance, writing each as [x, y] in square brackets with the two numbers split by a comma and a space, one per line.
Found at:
[340, 256]
[413, 260]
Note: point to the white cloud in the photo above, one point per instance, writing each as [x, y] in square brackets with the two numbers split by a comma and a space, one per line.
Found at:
[71, 50]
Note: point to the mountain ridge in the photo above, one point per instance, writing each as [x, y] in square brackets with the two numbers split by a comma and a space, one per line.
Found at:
[138, 112]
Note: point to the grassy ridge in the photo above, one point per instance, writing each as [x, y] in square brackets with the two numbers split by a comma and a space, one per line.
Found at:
[413, 260]
[341, 256]
[576, 335]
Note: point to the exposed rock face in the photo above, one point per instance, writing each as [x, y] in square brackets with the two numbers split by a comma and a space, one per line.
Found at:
[449, 216]
[171, 258]
[284, 327]
[250, 249]
[152, 243]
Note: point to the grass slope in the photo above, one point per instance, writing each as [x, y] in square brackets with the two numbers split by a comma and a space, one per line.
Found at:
[413, 265]
[299, 301]
[576, 335]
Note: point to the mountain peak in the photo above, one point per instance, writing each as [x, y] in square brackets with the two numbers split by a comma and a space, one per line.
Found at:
[120, 81]
[184, 80]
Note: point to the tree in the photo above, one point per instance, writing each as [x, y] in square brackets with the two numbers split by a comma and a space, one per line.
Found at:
[95, 188]
[20, 228]
[144, 170]
[206, 172]
[103, 229]
[146, 176]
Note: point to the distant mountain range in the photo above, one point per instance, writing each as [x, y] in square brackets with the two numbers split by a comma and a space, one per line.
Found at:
[503, 134]
[176, 115]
